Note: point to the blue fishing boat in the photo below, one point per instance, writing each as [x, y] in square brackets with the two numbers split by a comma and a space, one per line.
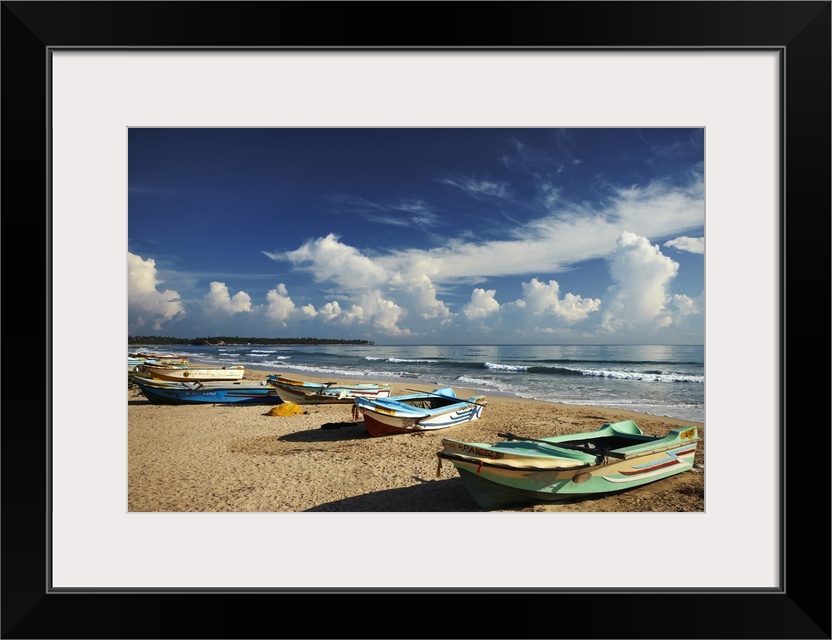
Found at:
[166, 392]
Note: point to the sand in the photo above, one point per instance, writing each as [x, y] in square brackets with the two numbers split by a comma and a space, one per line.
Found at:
[218, 458]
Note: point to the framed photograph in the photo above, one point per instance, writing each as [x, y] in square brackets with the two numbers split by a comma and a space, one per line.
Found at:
[77, 76]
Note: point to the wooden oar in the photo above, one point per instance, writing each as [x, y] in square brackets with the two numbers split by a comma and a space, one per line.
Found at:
[439, 395]
[563, 445]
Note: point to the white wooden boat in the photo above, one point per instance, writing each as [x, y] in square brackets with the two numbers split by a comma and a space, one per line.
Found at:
[306, 392]
[191, 373]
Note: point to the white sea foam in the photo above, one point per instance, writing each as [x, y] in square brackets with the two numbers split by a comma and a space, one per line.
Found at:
[640, 375]
[399, 360]
[506, 367]
[477, 382]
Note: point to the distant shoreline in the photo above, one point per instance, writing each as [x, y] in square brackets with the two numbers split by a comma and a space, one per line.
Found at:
[222, 341]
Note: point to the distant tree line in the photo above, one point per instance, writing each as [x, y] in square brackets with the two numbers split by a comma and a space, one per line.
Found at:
[237, 340]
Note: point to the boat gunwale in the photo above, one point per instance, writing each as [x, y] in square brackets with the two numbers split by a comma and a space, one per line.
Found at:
[401, 409]
[626, 452]
[645, 445]
[486, 462]
[323, 387]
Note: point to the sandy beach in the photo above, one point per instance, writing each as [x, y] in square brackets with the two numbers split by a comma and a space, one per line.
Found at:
[219, 458]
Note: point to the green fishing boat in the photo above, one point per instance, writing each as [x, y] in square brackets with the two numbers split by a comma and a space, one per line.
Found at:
[521, 472]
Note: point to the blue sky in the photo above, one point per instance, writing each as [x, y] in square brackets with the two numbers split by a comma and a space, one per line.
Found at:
[418, 235]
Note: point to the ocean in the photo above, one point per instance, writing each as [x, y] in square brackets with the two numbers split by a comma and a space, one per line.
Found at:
[657, 380]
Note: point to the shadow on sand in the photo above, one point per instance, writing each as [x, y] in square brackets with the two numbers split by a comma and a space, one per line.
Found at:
[340, 433]
[430, 495]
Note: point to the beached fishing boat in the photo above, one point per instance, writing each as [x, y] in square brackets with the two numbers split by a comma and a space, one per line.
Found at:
[196, 384]
[136, 360]
[521, 472]
[423, 411]
[192, 373]
[306, 392]
[146, 357]
[168, 392]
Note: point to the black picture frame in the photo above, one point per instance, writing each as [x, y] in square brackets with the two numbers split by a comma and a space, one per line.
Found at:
[799, 31]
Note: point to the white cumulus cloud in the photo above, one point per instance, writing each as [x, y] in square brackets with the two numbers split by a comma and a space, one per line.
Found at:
[330, 311]
[327, 259]
[279, 306]
[148, 308]
[382, 313]
[641, 276]
[218, 299]
[482, 304]
[420, 294]
[544, 299]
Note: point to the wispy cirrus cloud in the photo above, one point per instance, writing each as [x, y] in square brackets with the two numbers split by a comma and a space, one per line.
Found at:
[552, 243]
[557, 157]
[399, 213]
[478, 189]
[684, 243]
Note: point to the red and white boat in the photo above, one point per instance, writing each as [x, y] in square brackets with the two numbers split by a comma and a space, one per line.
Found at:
[424, 411]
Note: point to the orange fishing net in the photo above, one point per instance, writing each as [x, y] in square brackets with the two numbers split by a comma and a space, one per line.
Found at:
[286, 409]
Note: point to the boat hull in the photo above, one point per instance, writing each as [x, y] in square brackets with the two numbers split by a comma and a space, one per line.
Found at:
[303, 392]
[242, 395]
[329, 396]
[190, 374]
[502, 479]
